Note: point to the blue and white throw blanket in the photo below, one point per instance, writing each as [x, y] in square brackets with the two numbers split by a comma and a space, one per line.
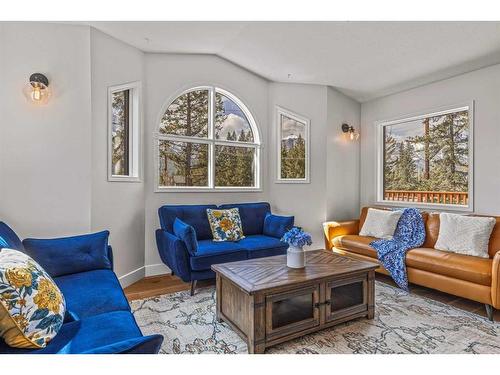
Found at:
[409, 234]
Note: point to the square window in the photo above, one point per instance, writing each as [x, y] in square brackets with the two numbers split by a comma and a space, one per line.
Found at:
[183, 164]
[234, 166]
[427, 160]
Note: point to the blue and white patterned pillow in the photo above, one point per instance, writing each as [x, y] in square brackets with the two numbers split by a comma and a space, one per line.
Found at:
[32, 307]
[225, 224]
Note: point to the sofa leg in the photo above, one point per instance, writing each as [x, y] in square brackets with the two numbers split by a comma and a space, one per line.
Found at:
[172, 273]
[489, 311]
[193, 287]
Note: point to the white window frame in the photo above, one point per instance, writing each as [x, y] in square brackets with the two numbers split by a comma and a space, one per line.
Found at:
[464, 106]
[299, 118]
[135, 120]
[211, 142]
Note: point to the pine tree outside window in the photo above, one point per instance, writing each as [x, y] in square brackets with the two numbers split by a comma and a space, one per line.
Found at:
[207, 140]
[427, 160]
[124, 117]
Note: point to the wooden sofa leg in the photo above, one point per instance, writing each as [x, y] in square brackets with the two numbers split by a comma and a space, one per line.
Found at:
[489, 311]
[193, 287]
[172, 273]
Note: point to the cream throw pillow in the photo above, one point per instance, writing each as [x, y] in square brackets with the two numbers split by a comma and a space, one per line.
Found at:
[468, 235]
[380, 223]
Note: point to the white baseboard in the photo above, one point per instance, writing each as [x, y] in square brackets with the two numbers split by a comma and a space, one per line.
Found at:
[156, 269]
[132, 277]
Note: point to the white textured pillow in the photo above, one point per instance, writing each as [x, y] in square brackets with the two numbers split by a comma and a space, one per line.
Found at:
[468, 235]
[380, 223]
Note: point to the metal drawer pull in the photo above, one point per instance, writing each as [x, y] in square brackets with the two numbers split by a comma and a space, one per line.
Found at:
[318, 304]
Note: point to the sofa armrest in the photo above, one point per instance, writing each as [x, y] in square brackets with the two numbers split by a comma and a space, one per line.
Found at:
[495, 281]
[334, 229]
[138, 345]
[174, 254]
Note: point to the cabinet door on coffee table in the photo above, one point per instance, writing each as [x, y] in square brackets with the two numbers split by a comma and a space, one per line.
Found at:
[292, 311]
[346, 297]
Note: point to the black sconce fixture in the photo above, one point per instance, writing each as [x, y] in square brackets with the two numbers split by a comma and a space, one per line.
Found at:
[350, 132]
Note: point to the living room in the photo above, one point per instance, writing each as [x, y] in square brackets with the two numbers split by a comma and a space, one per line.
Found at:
[261, 186]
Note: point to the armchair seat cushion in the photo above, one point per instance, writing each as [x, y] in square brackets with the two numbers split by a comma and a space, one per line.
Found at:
[213, 252]
[464, 267]
[259, 246]
[102, 332]
[92, 293]
[356, 244]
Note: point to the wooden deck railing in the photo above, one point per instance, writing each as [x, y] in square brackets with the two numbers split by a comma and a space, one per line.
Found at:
[443, 197]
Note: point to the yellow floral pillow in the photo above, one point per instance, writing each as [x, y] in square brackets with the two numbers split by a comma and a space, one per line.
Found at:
[31, 305]
[225, 224]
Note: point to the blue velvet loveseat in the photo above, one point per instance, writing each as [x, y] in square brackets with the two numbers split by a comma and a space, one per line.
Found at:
[192, 262]
[98, 318]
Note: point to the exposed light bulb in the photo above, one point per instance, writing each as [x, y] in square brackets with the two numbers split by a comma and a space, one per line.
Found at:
[36, 94]
[351, 135]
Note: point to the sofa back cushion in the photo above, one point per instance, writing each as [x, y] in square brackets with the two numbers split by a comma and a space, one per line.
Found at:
[8, 238]
[252, 216]
[194, 215]
[432, 223]
[68, 255]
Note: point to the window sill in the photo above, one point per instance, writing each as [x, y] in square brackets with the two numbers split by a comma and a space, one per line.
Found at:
[427, 206]
[207, 190]
[124, 179]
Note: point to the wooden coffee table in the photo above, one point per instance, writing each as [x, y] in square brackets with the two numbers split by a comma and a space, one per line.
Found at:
[267, 303]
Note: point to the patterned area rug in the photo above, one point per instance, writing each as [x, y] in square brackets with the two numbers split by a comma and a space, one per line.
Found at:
[404, 323]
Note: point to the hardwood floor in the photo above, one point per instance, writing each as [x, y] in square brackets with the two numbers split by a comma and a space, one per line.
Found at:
[157, 285]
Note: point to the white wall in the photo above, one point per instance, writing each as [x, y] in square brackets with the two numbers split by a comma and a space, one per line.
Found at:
[482, 86]
[306, 201]
[342, 171]
[333, 191]
[166, 77]
[53, 159]
[116, 206]
[45, 151]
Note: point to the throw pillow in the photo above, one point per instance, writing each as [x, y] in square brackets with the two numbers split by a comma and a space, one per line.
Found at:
[68, 255]
[277, 226]
[32, 307]
[187, 234]
[467, 235]
[225, 224]
[380, 223]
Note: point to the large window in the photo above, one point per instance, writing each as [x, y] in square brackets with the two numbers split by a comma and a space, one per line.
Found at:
[427, 159]
[207, 139]
[123, 124]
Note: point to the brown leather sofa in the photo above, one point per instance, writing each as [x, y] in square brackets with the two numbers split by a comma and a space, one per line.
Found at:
[466, 276]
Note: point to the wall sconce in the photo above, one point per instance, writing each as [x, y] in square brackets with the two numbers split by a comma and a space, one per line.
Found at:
[350, 132]
[37, 89]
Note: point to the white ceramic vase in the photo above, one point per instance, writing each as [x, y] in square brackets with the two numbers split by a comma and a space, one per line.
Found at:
[295, 257]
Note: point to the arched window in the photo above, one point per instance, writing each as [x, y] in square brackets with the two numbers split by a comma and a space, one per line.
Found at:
[208, 139]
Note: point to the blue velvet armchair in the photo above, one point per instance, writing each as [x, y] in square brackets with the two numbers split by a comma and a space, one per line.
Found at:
[186, 245]
[98, 318]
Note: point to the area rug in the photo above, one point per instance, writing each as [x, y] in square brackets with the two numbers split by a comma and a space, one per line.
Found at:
[404, 323]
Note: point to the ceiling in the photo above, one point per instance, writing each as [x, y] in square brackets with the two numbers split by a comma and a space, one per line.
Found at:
[365, 60]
